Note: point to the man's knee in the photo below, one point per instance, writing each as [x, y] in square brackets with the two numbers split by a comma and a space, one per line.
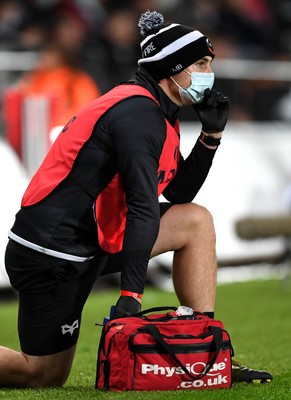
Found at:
[49, 371]
[198, 215]
[48, 378]
[181, 225]
[42, 376]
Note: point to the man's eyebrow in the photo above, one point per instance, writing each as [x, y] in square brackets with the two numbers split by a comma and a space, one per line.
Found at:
[203, 59]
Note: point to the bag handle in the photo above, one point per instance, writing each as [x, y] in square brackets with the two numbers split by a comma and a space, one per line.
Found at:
[165, 317]
[217, 340]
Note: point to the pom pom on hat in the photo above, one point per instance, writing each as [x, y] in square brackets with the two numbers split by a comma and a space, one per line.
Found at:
[168, 49]
[150, 21]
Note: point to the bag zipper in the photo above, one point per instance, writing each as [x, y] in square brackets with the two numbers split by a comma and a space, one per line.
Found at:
[178, 348]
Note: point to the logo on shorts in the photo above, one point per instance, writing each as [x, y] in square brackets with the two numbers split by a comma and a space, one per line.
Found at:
[70, 328]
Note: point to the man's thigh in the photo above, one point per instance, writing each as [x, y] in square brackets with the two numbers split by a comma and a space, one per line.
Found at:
[175, 227]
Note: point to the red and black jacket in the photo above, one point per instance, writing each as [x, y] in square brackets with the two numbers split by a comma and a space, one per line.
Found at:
[125, 143]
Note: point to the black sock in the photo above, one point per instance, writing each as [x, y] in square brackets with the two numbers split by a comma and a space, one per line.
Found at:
[209, 314]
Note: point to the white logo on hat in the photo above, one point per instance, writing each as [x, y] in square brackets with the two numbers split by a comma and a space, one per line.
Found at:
[177, 68]
[147, 50]
[210, 47]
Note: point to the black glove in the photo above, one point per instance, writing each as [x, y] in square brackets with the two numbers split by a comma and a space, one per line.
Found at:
[213, 111]
[126, 306]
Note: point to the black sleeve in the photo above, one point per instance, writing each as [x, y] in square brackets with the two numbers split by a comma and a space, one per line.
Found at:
[138, 130]
[191, 174]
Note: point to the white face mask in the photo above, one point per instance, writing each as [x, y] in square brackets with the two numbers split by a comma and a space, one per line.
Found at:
[200, 81]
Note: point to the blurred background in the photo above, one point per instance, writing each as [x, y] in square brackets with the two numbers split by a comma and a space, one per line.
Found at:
[58, 55]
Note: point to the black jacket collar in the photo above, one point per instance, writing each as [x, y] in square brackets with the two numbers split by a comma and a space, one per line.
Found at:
[169, 108]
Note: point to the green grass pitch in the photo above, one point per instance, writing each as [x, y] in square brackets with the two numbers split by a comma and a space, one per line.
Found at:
[256, 314]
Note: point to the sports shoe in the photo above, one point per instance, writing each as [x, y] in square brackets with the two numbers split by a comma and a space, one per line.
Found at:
[245, 374]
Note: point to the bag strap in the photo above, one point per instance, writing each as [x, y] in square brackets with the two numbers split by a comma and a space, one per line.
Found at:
[217, 340]
[155, 309]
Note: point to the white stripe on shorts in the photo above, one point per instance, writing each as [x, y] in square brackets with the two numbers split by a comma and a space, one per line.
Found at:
[44, 250]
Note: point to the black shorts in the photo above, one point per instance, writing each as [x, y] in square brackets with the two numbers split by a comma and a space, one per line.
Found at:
[52, 294]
